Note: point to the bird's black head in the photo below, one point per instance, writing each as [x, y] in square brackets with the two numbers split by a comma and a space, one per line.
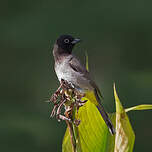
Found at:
[67, 42]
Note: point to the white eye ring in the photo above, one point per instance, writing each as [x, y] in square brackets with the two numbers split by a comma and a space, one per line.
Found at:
[66, 41]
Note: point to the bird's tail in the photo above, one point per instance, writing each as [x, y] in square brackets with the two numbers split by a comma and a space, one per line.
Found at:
[104, 114]
[106, 119]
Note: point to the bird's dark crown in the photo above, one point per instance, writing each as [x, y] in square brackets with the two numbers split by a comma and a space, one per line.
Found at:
[66, 42]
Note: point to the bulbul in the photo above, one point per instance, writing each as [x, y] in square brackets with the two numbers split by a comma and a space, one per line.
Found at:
[69, 68]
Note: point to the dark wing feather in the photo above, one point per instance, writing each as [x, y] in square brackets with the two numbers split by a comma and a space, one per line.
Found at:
[96, 88]
[77, 66]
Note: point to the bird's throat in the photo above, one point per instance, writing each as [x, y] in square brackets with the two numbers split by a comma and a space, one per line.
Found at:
[59, 53]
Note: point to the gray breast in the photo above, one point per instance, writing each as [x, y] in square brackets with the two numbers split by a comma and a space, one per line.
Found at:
[64, 71]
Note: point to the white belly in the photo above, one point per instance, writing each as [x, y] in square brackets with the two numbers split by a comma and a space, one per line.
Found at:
[64, 71]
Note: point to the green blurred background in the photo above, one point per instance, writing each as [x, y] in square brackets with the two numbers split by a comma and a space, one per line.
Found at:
[117, 36]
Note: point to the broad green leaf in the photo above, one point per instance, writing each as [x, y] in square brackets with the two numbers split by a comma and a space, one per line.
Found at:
[140, 107]
[92, 135]
[125, 137]
[92, 131]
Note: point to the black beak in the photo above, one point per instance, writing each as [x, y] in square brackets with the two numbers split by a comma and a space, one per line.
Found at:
[75, 41]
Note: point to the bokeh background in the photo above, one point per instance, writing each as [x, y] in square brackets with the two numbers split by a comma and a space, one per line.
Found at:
[118, 38]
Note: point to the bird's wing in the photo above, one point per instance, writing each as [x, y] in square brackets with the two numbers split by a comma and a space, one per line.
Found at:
[96, 97]
[78, 67]
[96, 89]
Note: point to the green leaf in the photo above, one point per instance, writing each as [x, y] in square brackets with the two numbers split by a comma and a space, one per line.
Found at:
[125, 137]
[66, 145]
[93, 132]
[93, 135]
[140, 107]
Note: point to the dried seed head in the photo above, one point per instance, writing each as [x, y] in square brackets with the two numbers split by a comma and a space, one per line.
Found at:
[72, 97]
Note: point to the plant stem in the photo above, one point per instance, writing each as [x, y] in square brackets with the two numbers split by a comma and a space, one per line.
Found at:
[73, 141]
[75, 131]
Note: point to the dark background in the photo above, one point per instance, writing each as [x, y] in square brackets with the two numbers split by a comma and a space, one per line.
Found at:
[117, 36]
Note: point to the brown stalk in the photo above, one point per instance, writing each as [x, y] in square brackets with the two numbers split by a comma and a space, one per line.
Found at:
[69, 124]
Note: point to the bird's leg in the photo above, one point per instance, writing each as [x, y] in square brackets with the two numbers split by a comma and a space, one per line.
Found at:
[71, 85]
[67, 85]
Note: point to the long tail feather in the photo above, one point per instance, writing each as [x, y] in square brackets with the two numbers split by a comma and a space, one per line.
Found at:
[104, 115]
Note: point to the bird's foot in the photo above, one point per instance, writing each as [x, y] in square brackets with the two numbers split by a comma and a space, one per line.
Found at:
[67, 85]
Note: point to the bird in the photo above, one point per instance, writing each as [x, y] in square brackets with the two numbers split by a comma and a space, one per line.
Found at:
[69, 68]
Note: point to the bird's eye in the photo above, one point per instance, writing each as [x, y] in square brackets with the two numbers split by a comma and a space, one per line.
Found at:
[66, 41]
